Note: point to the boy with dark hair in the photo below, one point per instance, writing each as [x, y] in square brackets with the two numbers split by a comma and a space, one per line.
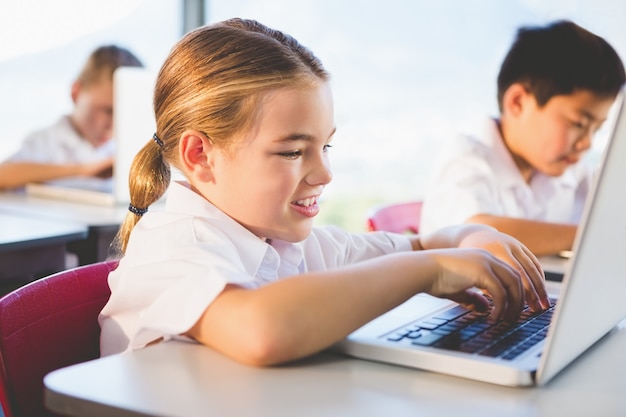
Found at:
[524, 174]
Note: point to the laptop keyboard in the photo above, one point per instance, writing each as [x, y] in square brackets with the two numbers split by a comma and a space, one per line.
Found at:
[463, 330]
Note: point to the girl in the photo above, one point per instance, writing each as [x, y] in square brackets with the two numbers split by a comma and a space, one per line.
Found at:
[245, 113]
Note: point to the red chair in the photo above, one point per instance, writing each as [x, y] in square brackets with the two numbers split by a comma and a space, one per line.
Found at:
[46, 325]
[397, 218]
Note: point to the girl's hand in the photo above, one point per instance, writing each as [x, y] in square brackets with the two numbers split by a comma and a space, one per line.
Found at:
[517, 256]
[462, 271]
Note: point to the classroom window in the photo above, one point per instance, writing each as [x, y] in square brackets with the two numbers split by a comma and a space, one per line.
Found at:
[407, 76]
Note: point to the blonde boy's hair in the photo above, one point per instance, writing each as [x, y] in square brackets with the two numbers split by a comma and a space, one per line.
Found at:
[103, 62]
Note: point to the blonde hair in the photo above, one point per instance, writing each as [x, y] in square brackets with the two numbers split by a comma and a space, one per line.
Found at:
[212, 82]
[103, 62]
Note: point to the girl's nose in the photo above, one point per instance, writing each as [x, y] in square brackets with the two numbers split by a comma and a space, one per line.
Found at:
[321, 173]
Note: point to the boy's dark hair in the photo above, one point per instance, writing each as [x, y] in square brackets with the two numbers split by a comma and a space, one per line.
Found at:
[559, 59]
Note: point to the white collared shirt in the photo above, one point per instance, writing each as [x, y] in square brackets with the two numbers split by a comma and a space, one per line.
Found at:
[476, 174]
[178, 261]
[61, 144]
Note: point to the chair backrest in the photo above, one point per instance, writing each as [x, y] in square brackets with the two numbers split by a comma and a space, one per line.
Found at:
[397, 218]
[46, 325]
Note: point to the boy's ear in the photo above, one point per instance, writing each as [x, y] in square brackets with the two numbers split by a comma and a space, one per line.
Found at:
[195, 153]
[76, 86]
[514, 99]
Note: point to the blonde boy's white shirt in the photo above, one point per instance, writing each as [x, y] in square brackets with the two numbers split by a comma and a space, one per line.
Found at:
[60, 143]
[180, 259]
[475, 174]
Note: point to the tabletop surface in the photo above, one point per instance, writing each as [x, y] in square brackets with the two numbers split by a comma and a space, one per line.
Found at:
[47, 208]
[17, 231]
[185, 379]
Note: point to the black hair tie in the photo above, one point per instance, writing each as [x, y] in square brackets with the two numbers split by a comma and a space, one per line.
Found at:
[158, 140]
[136, 210]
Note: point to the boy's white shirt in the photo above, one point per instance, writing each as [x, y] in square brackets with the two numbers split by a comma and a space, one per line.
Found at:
[475, 174]
[178, 261]
[60, 143]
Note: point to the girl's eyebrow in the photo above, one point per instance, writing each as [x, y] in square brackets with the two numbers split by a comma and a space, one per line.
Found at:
[295, 137]
[301, 136]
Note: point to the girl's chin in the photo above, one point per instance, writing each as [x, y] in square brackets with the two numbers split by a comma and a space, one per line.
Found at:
[296, 234]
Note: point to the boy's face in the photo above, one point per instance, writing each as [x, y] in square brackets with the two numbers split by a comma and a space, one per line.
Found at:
[93, 111]
[551, 138]
[271, 182]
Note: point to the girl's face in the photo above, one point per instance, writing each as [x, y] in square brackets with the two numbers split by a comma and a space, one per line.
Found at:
[272, 181]
[557, 135]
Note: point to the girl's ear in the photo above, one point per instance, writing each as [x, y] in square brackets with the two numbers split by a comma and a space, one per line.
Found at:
[196, 151]
[514, 99]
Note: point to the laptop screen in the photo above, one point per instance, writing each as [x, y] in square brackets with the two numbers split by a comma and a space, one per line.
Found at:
[133, 121]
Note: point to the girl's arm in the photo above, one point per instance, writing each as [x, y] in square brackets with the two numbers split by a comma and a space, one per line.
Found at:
[449, 237]
[542, 238]
[298, 316]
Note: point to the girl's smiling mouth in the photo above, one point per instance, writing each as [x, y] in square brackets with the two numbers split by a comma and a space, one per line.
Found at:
[307, 206]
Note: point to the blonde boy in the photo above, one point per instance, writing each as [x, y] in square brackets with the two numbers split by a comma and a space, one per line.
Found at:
[78, 144]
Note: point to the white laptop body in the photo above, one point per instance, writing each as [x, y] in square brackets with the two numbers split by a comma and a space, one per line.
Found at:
[590, 303]
[133, 126]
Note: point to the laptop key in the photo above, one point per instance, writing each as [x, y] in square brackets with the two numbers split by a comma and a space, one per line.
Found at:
[453, 313]
[428, 339]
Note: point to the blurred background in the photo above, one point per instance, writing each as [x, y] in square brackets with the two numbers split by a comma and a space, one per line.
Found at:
[407, 74]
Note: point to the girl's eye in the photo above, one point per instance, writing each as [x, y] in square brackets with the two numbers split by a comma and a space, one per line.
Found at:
[327, 147]
[291, 155]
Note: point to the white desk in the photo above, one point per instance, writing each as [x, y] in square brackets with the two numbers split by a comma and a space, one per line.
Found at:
[102, 222]
[182, 379]
[31, 248]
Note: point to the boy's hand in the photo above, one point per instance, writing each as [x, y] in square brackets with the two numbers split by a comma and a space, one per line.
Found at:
[100, 169]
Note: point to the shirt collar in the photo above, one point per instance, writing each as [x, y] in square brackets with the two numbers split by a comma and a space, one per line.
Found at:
[251, 249]
[254, 251]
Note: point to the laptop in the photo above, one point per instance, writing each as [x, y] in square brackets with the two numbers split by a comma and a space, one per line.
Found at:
[590, 303]
[133, 125]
